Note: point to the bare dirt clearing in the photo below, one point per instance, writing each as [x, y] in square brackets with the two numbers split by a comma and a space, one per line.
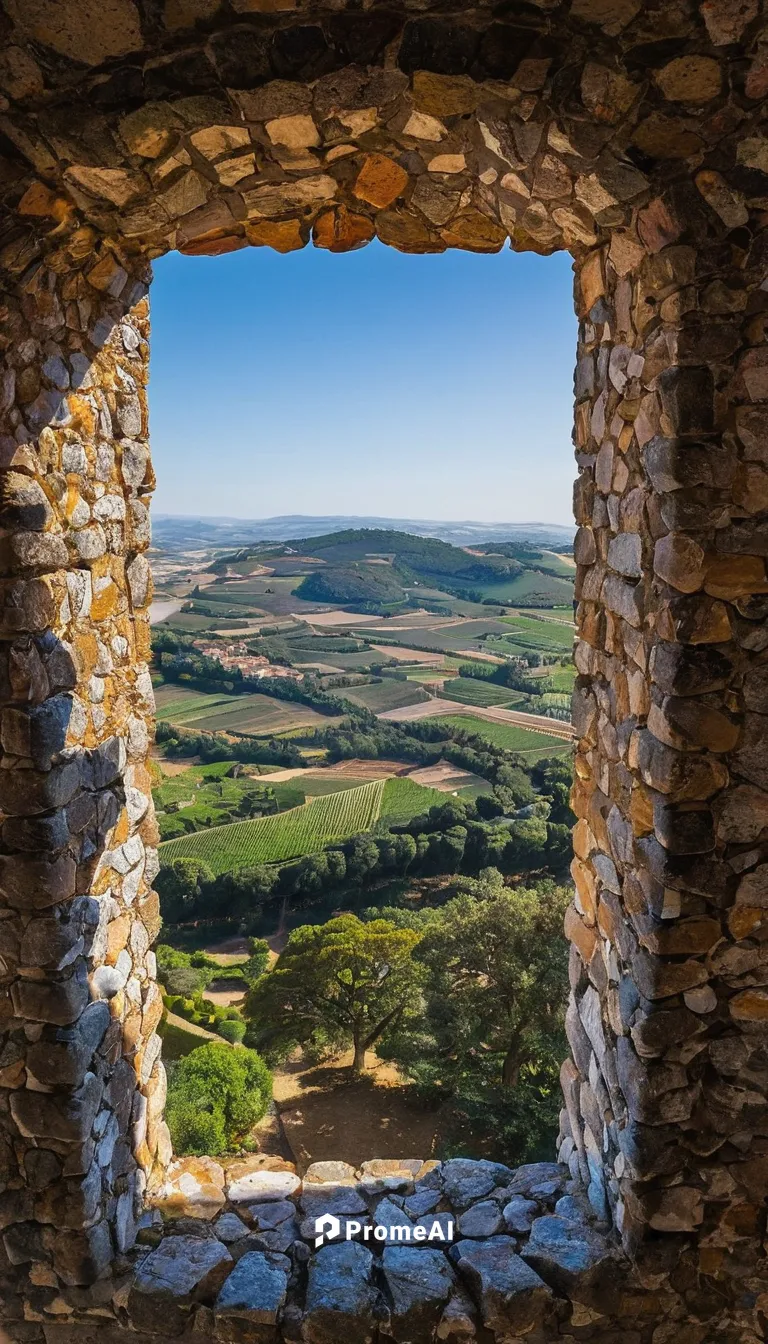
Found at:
[444, 776]
[229, 993]
[175, 767]
[484, 657]
[333, 618]
[404, 655]
[325, 1116]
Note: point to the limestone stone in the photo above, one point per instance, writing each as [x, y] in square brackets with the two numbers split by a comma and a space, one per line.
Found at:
[295, 132]
[194, 1188]
[466, 1180]
[571, 1257]
[335, 1173]
[182, 1268]
[481, 1220]
[255, 1179]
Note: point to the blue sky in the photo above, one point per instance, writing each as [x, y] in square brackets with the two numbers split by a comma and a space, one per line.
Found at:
[366, 383]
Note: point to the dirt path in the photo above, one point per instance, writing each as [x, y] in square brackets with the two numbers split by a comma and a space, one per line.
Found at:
[429, 709]
[224, 998]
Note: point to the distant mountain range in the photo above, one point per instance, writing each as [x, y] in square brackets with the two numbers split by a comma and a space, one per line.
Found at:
[180, 532]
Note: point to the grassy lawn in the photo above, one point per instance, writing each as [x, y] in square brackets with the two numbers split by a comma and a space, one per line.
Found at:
[529, 743]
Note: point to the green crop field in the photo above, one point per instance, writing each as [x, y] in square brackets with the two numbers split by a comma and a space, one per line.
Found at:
[387, 694]
[303, 830]
[545, 636]
[450, 640]
[404, 799]
[469, 691]
[252, 715]
[529, 743]
[562, 678]
[527, 586]
[325, 782]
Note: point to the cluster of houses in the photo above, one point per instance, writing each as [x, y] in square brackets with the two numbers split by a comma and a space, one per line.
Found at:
[236, 655]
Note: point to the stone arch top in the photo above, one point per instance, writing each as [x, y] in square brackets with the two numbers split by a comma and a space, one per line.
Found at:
[206, 126]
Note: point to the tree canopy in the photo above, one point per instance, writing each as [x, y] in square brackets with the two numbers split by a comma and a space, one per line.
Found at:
[339, 984]
[491, 1034]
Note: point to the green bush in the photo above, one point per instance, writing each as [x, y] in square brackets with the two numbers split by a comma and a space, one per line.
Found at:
[215, 1096]
[232, 1030]
[193, 1130]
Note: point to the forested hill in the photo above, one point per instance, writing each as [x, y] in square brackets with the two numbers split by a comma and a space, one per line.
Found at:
[420, 558]
[376, 566]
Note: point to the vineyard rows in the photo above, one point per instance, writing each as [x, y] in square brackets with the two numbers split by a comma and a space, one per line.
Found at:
[287, 835]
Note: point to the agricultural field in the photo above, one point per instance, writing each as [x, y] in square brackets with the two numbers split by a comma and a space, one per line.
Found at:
[387, 694]
[449, 638]
[328, 781]
[469, 691]
[529, 743]
[404, 798]
[545, 635]
[531, 586]
[250, 715]
[562, 678]
[287, 835]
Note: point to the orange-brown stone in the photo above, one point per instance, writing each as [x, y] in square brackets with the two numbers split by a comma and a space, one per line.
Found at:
[751, 1005]
[282, 235]
[735, 576]
[380, 180]
[341, 230]
[474, 232]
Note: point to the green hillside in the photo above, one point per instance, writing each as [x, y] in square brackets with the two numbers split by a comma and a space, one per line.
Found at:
[286, 835]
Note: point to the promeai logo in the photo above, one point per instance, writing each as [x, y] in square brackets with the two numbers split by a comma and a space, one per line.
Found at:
[328, 1228]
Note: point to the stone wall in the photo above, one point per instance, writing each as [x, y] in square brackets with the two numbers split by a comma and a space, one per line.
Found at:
[81, 1082]
[665, 1095]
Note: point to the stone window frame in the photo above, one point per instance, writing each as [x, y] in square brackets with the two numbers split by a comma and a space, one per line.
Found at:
[639, 146]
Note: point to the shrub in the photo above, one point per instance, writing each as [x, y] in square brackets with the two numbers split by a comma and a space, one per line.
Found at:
[232, 1030]
[215, 1096]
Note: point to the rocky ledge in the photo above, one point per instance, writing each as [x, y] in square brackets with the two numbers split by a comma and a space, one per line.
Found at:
[228, 1252]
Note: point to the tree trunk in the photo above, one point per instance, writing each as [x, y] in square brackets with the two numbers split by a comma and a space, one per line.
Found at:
[510, 1069]
[358, 1063]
